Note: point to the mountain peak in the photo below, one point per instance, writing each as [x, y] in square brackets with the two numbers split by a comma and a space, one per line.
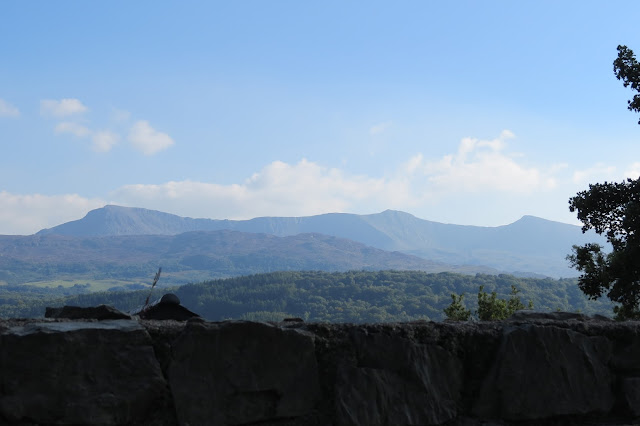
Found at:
[530, 220]
[393, 213]
[119, 220]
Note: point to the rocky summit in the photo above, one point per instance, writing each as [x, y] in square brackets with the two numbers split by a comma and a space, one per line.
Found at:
[534, 369]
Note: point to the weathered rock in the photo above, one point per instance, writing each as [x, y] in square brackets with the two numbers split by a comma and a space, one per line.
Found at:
[631, 391]
[101, 312]
[546, 371]
[627, 357]
[397, 382]
[541, 372]
[168, 307]
[236, 373]
[529, 315]
[81, 373]
[170, 299]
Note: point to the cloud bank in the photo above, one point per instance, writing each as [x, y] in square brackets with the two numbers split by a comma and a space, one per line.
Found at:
[308, 188]
[27, 214]
[598, 173]
[479, 165]
[633, 172]
[279, 189]
[481, 176]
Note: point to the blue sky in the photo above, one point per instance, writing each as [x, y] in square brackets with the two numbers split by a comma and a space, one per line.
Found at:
[461, 112]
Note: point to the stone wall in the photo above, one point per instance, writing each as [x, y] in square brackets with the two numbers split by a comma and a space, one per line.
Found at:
[535, 369]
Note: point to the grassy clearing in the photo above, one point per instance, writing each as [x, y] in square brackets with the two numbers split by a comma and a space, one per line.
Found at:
[89, 285]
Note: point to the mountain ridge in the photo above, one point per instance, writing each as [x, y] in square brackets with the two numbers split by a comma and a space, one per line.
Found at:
[195, 256]
[529, 245]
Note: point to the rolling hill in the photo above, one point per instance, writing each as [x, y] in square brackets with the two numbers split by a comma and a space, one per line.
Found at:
[353, 296]
[193, 256]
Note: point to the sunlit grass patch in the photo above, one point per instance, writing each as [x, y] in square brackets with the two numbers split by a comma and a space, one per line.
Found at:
[90, 285]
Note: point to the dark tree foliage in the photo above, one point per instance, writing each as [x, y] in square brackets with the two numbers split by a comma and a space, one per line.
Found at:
[490, 307]
[627, 69]
[613, 210]
[456, 311]
[354, 296]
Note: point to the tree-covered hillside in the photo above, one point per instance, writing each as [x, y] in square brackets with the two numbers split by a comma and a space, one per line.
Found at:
[193, 257]
[357, 296]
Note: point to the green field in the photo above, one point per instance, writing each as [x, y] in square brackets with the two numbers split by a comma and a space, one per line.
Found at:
[89, 286]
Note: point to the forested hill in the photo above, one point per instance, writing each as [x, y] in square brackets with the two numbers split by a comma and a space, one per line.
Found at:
[191, 257]
[529, 245]
[363, 296]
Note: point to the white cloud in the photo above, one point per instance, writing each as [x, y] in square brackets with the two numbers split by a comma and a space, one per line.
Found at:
[413, 164]
[8, 110]
[61, 108]
[279, 189]
[379, 128]
[479, 166]
[27, 214]
[141, 135]
[307, 188]
[633, 172]
[480, 173]
[148, 140]
[73, 128]
[598, 173]
[104, 140]
[601, 173]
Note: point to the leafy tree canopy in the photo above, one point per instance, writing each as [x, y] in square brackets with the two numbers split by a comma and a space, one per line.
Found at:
[627, 69]
[355, 296]
[611, 209]
[490, 307]
[456, 311]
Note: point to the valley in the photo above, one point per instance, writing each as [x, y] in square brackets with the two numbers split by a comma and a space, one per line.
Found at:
[111, 255]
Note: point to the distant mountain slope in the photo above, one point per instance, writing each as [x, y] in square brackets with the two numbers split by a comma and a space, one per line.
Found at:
[529, 246]
[116, 220]
[194, 256]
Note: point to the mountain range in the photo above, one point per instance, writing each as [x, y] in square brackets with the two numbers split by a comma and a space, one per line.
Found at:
[530, 246]
[193, 256]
